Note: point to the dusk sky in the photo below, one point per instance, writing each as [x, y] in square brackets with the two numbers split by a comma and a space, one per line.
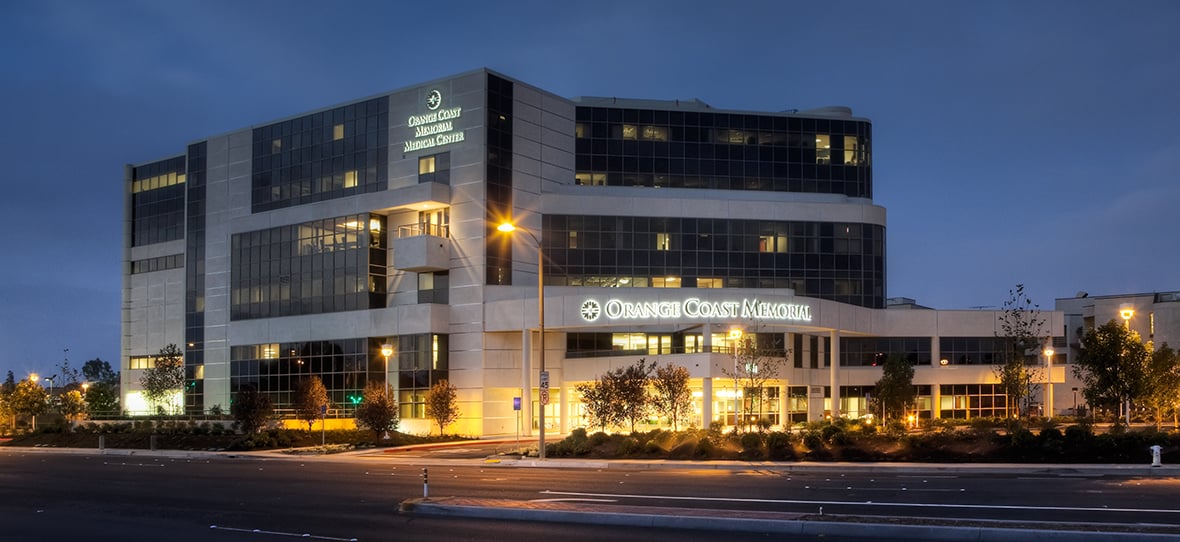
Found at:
[1014, 141]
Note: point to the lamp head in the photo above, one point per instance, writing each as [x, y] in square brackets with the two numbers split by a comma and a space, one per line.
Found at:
[1049, 352]
[506, 227]
[1127, 313]
[387, 350]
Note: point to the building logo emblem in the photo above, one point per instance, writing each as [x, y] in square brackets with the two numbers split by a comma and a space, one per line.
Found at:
[433, 100]
[590, 310]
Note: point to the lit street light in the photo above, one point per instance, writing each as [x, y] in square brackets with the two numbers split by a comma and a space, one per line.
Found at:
[1127, 311]
[386, 350]
[508, 227]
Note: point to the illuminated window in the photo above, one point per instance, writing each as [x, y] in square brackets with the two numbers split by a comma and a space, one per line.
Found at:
[573, 242]
[852, 154]
[628, 341]
[709, 282]
[823, 149]
[142, 362]
[630, 132]
[1151, 324]
[772, 242]
[338, 132]
[579, 130]
[276, 146]
[655, 133]
[426, 165]
[663, 241]
[590, 179]
[350, 178]
[665, 282]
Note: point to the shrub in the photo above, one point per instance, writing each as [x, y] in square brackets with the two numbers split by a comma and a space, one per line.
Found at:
[598, 439]
[705, 449]
[830, 430]
[813, 440]
[628, 446]
[778, 446]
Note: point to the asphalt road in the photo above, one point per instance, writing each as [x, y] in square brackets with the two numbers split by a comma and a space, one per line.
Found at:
[46, 496]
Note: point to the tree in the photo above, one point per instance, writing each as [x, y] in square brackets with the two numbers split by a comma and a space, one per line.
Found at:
[378, 410]
[97, 370]
[9, 384]
[672, 398]
[29, 398]
[630, 391]
[6, 412]
[311, 398]
[1021, 330]
[1162, 385]
[102, 398]
[165, 378]
[895, 390]
[598, 402]
[442, 404]
[251, 408]
[756, 362]
[73, 405]
[1112, 365]
[69, 375]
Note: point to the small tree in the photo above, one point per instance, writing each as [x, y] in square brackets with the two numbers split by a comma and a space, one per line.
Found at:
[378, 410]
[1112, 365]
[1162, 391]
[599, 404]
[310, 400]
[756, 362]
[251, 408]
[673, 398]
[1021, 329]
[442, 404]
[29, 398]
[629, 389]
[165, 378]
[6, 412]
[9, 385]
[73, 405]
[895, 389]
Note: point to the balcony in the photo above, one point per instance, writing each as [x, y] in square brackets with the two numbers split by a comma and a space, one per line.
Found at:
[421, 248]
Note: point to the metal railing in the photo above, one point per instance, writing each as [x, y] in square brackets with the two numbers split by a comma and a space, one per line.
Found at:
[414, 230]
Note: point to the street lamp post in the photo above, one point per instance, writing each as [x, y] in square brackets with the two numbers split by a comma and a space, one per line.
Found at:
[1127, 312]
[508, 227]
[735, 335]
[386, 350]
[1049, 384]
[51, 379]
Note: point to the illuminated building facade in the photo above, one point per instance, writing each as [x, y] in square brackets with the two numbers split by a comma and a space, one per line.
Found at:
[299, 247]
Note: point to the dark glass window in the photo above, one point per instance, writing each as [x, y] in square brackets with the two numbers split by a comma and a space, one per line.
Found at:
[435, 168]
[326, 155]
[329, 265]
[422, 361]
[843, 262]
[873, 351]
[627, 147]
[157, 201]
[498, 248]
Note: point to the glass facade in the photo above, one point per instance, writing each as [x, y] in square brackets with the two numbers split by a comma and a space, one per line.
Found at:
[873, 351]
[422, 361]
[162, 263]
[966, 401]
[344, 365]
[842, 262]
[194, 282]
[972, 350]
[157, 202]
[729, 151]
[326, 155]
[498, 248]
[332, 265]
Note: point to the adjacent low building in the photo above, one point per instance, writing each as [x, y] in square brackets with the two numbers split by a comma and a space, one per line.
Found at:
[663, 228]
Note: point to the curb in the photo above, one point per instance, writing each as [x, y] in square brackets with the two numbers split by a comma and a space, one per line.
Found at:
[713, 520]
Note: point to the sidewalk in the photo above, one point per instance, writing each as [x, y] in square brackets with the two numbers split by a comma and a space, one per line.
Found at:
[777, 523]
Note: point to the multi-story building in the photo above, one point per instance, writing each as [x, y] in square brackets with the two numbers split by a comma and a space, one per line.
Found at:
[299, 247]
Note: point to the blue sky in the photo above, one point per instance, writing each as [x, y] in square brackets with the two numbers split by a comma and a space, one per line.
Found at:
[1014, 141]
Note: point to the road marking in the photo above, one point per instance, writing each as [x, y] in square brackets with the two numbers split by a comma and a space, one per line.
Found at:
[280, 533]
[574, 500]
[866, 503]
[133, 464]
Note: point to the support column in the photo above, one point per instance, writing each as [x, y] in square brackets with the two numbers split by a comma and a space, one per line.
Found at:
[706, 402]
[936, 400]
[564, 406]
[526, 385]
[784, 396]
[834, 365]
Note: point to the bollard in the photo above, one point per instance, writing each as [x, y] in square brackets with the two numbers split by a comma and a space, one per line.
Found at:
[153, 442]
[425, 485]
[1155, 456]
[102, 442]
